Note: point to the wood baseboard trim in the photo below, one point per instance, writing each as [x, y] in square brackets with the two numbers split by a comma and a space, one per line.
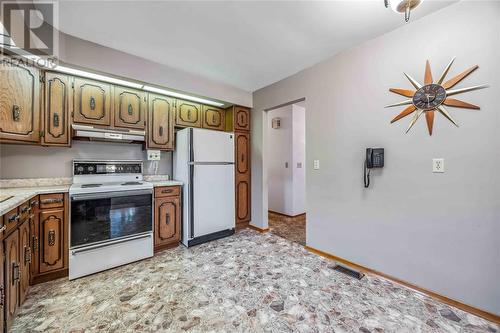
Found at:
[49, 277]
[285, 215]
[258, 229]
[459, 305]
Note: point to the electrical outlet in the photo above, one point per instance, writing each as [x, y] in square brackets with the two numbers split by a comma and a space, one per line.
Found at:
[153, 155]
[316, 165]
[299, 165]
[438, 165]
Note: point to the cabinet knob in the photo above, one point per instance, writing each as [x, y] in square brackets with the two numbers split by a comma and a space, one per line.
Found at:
[3, 228]
[130, 110]
[52, 237]
[16, 112]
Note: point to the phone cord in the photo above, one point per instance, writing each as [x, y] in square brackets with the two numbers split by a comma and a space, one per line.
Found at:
[367, 177]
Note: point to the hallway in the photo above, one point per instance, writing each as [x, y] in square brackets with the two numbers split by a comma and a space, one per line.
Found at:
[290, 228]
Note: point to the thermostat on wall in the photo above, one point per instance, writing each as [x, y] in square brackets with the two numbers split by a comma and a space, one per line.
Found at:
[276, 123]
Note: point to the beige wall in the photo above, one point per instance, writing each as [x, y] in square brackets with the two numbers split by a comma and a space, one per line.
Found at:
[438, 231]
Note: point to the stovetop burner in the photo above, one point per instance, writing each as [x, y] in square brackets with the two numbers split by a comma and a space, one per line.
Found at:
[91, 185]
[131, 183]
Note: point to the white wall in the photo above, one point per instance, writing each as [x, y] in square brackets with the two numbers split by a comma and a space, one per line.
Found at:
[286, 147]
[438, 231]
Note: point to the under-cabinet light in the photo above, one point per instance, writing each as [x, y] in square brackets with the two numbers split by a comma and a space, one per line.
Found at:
[77, 72]
[183, 96]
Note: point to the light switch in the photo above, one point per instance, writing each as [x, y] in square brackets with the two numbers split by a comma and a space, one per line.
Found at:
[438, 165]
[286, 165]
[316, 165]
[299, 165]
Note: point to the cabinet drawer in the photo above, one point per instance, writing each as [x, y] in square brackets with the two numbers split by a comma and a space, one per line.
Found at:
[51, 200]
[10, 220]
[167, 191]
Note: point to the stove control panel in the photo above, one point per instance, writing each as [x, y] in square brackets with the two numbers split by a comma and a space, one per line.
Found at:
[103, 168]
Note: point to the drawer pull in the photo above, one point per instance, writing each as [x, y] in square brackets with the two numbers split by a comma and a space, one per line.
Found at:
[16, 272]
[27, 255]
[51, 201]
[167, 191]
[167, 220]
[14, 218]
[2, 296]
[2, 229]
[160, 130]
[33, 203]
[16, 113]
[25, 210]
[130, 110]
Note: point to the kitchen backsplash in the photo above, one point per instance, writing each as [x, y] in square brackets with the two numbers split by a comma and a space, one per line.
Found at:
[20, 161]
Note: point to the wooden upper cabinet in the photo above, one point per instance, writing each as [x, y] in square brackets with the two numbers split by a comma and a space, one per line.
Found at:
[92, 102]
[51, 242]
[167, 218]
[25, 259]
[58, 109]
[213, 118]
[130, 108]
[12, 276]
[19, 104]
[188, 114]
[243, 177]
[241, 118]
[160, 122]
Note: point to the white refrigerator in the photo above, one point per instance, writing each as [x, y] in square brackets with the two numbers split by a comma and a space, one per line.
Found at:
[204, 162]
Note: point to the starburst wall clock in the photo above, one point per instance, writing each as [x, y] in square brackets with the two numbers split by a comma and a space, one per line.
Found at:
[433, 96]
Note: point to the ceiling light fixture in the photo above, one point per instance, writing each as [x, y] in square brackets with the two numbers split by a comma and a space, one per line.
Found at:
[183, 96]
[403, 6]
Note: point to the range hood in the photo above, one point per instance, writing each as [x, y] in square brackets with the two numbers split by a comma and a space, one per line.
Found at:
[101, 134]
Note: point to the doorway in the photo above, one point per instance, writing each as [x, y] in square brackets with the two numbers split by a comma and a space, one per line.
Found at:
[286, 173]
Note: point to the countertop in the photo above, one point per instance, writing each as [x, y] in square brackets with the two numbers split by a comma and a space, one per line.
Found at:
[21, 194]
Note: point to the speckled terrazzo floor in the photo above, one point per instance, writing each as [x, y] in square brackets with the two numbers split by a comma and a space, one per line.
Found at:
[291, 228]
[250, 282]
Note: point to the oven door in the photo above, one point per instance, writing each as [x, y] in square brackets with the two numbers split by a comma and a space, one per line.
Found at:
[102, 217]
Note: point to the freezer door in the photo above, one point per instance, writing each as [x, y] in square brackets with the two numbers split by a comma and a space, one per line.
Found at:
[213, 199]
[212, 146]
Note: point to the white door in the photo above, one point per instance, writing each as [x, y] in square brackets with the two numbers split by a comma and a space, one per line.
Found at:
[213, 200]
[213, 146]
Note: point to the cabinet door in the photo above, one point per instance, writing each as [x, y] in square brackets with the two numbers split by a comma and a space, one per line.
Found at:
[167, 218]
[241, 118]
[213, 118]
[160, 122]
[24, 260]
[58, 109]
[130, 108]
[34, 218]
[2, 287]
[51, 242]
[188, 114]
[12, 275]
[242, 181]
[92, 102]
[19, 104]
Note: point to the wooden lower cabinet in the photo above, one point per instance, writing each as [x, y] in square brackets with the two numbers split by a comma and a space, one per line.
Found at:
[12, 276]
[242, 177]
[167, 217]
[24, 260]
[2, 288]
[50, 238]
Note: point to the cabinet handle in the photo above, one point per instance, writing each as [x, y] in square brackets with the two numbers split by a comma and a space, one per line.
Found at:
[16, 272]
[2, 296]
[167, 191]
[56, 120]
[51, 201]
[27, 255]
[33, 203]
[25, 209]
[16, 113]
[167, 221]
[92, 103]
[14, 218]
[242, 158]
[189, 114]
[2, 229]
[35, 243]
[52, 237]
[130, 110]
[161, 130]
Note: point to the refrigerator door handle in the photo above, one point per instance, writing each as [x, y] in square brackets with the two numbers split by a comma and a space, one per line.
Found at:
[191, 201]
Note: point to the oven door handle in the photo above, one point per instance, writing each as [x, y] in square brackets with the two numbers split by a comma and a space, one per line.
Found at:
[105, 195]
[98, 246]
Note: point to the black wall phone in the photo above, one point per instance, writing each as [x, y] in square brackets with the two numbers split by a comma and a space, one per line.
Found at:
[374, 159]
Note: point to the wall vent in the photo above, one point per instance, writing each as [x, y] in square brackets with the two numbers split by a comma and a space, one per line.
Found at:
[348, 271]
[276, 123]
